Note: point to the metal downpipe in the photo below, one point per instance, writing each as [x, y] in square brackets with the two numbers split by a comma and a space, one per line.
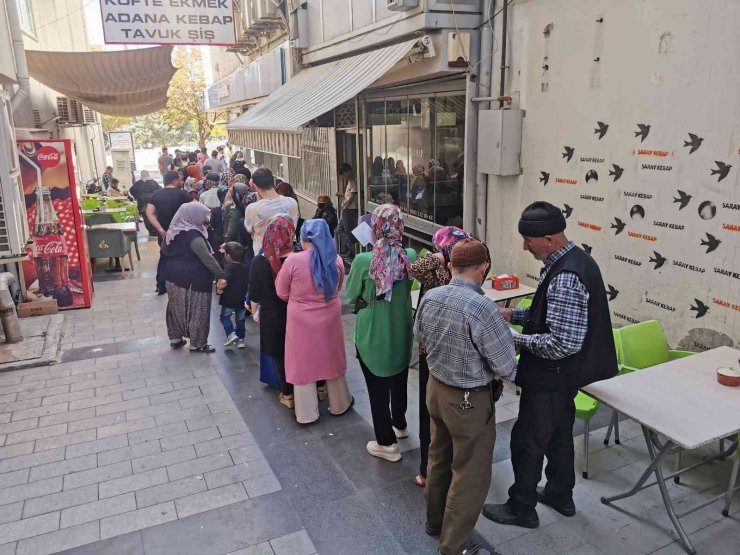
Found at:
[8, 315]
[21, 100]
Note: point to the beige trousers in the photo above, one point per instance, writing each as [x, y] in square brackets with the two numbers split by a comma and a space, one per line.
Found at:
[307, 400]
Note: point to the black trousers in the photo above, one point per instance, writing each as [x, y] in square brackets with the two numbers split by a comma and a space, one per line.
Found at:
[425, 437]
[161, 266]
[285, 387]
[388, 401]
[544, 428]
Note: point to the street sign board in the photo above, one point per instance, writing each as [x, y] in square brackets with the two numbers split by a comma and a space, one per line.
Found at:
[122, 140]
[207, 22]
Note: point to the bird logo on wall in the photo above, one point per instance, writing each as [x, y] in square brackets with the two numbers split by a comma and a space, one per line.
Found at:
[568, 154]
[694, 142]
[587, 248]
[612, 293]
[544, 178]
[701, 309]
[711, 243]
[618, 225]
[616, 172]
[659, 260]
[568, 210]
[722, 170]
[601, 129]
[643, 131]
[683, 198]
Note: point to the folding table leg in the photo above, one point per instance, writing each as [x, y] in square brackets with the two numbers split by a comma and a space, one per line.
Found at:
[664, 490]
[733, 479]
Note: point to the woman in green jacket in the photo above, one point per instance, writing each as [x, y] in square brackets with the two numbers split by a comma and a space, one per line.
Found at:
[383, 329]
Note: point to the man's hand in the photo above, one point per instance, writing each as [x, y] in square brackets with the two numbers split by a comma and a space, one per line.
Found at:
[340, 194]
[506, 313]
[221, 285]
[162, 233]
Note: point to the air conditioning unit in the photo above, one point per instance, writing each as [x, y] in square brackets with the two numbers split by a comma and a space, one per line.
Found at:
[13, 223]
[265, 11]
[69, 111]
[401, 5]
[298, 26]
[88, 115]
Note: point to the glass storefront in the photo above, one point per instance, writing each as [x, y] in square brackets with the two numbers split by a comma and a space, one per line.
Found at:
[415, 155]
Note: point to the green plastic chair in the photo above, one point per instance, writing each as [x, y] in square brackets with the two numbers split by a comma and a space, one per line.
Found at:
[521, 304]
[586, 407]
[109, 243]
[97, 218]
[640, 346]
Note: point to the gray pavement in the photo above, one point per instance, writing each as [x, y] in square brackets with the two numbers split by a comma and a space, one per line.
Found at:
[129, 447]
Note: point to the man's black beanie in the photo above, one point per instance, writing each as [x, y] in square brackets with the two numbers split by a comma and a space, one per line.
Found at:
[541, 218]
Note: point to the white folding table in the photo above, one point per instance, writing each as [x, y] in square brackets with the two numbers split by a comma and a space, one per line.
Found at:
[679, 405]
[505, 295]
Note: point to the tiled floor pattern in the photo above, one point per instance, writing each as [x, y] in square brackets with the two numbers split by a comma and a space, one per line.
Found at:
[128, 447]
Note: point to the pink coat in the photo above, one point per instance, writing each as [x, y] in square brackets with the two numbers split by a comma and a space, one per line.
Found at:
[314, 338]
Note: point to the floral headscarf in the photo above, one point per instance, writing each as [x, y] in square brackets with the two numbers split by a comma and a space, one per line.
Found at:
[225, 177]
[191, 215]
[390, 263]
[447, 237]
[278, 240]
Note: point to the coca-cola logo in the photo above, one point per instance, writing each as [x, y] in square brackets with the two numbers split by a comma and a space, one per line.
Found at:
[48, 157]
[49, 246]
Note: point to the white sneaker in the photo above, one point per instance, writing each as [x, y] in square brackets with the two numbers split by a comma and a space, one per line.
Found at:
[240, 344]
[231, 339]
[389, 453]
[401, 434]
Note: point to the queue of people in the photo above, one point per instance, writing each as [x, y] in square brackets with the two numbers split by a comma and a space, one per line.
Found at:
[245, 235]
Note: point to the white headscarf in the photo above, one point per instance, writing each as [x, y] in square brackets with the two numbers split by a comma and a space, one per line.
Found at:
[191, 215]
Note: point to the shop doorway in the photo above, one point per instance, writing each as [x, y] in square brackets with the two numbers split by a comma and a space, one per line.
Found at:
[347, 152]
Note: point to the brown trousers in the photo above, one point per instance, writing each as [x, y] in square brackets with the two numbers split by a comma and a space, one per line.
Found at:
[460, 459]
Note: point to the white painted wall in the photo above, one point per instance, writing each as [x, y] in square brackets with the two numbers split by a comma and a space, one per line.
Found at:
[670, 64]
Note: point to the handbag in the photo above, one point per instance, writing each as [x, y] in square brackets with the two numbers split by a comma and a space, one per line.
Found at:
[360, 303]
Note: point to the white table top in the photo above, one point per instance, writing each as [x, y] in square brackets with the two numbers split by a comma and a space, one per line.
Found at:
[498, 296]
[106, 210]
[680, 399]
[123, 226]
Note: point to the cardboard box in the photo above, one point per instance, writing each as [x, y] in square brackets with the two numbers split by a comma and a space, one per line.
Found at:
[505, 282]
[37, 308]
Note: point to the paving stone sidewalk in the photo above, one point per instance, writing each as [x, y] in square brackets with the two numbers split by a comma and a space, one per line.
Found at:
[129, 447]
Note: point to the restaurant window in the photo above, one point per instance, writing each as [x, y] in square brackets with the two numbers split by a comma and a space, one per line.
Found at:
[25, 14]
[415, 155]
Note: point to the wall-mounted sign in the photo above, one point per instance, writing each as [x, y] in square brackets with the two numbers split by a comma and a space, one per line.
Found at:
[209, 22]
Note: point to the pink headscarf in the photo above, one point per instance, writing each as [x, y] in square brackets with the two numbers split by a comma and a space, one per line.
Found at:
[447, 237]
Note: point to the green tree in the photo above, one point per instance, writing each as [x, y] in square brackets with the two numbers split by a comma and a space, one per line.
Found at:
[115, 123]
[151, 131]
[185, 103]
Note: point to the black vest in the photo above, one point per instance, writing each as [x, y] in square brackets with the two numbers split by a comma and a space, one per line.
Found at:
[183, 266]
[597, 359]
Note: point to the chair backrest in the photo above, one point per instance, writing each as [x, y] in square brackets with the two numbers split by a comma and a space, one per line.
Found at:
[107, 243]
[423, 253]
[91, 204]
[641, 345]
[100, 218]
[524, 303]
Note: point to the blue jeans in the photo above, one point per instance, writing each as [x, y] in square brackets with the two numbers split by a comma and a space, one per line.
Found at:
[240, 315]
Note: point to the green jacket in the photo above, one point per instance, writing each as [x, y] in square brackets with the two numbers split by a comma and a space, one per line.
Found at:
[383, 331]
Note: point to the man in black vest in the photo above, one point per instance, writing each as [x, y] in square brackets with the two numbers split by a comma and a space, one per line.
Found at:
[566, 343]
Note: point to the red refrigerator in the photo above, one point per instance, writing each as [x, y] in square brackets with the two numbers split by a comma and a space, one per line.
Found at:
[58, 265]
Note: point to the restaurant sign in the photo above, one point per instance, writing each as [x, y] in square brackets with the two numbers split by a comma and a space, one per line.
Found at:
[209, 22]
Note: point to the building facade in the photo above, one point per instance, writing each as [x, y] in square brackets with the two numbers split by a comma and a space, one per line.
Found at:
[624, 114]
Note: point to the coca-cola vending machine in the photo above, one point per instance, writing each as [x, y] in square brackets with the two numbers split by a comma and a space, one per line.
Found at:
[58, 264]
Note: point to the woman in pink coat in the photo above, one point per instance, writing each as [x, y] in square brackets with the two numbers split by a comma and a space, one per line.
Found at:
[314, 340]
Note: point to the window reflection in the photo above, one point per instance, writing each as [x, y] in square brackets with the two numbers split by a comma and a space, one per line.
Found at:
[416, 155]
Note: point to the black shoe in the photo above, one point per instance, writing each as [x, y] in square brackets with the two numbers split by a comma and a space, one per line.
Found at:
[432, 531]
[161, 292]
[503, 514]
[565, 507]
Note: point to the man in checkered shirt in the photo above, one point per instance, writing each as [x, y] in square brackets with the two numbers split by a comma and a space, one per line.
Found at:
[566, 343]
[469, 346]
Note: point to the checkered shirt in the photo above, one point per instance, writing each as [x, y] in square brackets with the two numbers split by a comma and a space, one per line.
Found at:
[467, 340]
[567, 314]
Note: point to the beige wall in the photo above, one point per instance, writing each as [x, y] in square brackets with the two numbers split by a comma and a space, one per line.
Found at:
[7, 64]
[55, 32]
[670, 64]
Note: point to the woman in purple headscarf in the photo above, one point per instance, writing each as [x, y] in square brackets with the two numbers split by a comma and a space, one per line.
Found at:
[431, 271]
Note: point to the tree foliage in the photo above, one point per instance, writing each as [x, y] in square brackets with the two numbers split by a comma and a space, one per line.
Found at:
[184, 120]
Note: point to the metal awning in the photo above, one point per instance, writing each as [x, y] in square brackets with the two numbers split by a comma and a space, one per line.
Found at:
[316, 90]
[121, 83]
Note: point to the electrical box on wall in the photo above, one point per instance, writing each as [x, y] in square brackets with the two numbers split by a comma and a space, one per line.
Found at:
[401, 5]
[500, 141]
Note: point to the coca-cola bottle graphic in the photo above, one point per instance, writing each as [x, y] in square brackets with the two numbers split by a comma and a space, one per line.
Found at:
[50, 250]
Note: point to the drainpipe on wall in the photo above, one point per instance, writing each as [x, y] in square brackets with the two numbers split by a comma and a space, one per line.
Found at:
[8, 315]
[476, 204]
[21, 100]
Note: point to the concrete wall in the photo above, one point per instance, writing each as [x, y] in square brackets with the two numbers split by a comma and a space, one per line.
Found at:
[7, 63]
[671, 65]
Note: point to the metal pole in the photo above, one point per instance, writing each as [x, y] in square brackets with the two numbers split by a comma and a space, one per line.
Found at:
[504, 25]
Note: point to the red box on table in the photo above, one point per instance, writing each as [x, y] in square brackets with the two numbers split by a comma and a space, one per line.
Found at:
[505, 282]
